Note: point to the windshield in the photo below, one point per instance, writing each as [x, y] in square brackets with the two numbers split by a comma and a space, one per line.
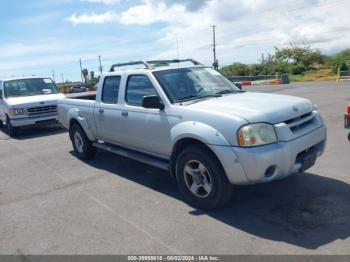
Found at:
[193, 83]
[29, 87]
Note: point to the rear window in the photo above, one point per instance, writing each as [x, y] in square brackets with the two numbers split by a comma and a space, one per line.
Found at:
[111, 89]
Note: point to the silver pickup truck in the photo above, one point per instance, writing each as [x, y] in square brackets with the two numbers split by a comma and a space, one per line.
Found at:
[192, 121]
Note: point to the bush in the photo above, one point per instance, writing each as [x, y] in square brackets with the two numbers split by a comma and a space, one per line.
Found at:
[297, 69]
[236, 69]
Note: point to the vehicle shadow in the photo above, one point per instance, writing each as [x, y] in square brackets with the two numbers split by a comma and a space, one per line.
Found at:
[36, 131]
[306, 210]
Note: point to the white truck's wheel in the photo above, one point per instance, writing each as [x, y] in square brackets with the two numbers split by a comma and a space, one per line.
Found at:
[202, 179]
[82, 145]
[11, 130]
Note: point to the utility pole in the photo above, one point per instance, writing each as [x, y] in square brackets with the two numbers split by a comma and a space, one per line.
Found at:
[216, 62]
[81, 71]
[53, 75]
[62, 78]
[101, 68]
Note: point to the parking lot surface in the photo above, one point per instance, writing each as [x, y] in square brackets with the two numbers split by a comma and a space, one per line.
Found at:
[53, 203]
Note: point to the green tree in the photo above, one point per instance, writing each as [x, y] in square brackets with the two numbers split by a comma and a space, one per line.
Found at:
[305, 56]
[340, 60]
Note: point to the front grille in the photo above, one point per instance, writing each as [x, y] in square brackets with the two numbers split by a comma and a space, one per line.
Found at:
[299, 122]
[42, 110]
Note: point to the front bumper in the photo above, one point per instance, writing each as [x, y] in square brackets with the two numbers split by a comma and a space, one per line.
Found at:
[26, 121]
[272, 162]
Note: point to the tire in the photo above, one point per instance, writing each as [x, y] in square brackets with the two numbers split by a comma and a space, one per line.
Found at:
[349, 136]
[83, 148]
[11, 130]
[201, 178]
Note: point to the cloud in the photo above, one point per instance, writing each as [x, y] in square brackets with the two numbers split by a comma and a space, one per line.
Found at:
[245, 29]
[189, 4]
[151, 29]
[93, 18]
[106, 2]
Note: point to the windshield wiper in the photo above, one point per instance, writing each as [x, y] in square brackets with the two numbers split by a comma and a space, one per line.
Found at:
[194, 97]
[227, 91]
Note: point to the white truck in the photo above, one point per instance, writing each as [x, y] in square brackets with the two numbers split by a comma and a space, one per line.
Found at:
[195, 123]
[27, 101]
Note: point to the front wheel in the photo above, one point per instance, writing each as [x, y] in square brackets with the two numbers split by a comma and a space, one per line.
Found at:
[12, 131]
[349, 136]
[83, 148]
[202, 179]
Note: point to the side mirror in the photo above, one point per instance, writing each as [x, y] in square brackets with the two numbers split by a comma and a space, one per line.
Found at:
[153, 101]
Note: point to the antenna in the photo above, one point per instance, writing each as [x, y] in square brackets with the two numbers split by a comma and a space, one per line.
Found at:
[177, 48]
[53, 75]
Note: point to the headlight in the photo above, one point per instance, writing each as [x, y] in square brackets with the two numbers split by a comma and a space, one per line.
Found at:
[16, 112]
[256, 135]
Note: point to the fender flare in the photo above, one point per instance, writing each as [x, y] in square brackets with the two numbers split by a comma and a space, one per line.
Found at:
[216, 142]
[197, 130]
[74, 114]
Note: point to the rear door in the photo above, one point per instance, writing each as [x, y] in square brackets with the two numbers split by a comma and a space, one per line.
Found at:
[108, 111]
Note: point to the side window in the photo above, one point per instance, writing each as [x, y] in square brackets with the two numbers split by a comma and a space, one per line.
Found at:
[110, 89]
[138, 86]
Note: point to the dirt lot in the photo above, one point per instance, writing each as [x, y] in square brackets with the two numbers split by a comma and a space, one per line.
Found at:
[52, 203]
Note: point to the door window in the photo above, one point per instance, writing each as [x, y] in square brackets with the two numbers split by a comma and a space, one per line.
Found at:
[138, 86]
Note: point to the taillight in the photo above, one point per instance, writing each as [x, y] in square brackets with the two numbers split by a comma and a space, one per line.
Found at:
[348, 110]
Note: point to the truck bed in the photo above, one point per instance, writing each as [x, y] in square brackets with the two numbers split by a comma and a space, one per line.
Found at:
[90, 95]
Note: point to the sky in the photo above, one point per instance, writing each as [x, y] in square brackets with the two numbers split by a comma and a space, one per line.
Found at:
[38, 37]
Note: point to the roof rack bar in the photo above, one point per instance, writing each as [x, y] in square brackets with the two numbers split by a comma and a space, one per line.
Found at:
[174, 61]
[146, 64]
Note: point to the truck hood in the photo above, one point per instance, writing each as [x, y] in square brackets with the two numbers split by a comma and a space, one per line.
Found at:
[258, 107]
[25, 101]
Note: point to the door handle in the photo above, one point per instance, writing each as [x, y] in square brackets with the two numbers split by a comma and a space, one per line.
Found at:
[125, 113]
[101, 110]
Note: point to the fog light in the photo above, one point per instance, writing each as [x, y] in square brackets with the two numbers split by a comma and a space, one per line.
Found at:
[270, 171]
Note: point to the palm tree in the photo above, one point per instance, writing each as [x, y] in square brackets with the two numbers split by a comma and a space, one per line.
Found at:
[85, 74]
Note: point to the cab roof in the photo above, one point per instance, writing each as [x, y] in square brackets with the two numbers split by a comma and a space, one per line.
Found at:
[23, 78]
